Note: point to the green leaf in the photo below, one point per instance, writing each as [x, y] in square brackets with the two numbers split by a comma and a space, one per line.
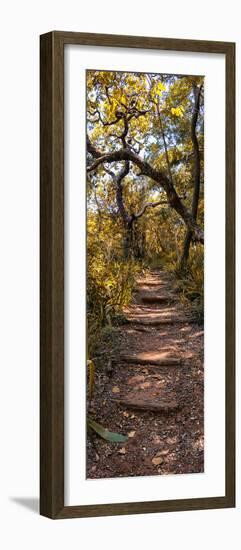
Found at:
[104, 433]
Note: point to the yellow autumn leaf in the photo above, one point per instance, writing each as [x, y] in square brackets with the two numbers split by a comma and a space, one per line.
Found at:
[177, 111]
[160, 88]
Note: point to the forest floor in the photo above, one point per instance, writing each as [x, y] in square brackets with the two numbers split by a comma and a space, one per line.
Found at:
[153, 389]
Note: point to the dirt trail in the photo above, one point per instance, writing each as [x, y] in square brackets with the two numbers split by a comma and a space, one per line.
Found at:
[154, 391]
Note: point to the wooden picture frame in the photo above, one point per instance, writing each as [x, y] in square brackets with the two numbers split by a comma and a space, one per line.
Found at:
[52, 274]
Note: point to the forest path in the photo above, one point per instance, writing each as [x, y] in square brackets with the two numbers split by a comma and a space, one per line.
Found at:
[155, 391]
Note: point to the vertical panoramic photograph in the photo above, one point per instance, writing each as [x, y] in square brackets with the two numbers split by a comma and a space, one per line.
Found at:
[145, 274]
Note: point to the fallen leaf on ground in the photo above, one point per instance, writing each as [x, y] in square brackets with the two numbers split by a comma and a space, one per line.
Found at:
[145, 385]
[122, 451]
[157, 460]
[135, 379]
[131, 434]
[115, 389]
[156, 439]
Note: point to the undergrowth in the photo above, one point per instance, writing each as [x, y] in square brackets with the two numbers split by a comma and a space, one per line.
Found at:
[110, 287]
[189, 282]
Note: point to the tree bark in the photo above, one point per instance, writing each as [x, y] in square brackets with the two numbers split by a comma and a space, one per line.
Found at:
[128, 239]
[196, 176]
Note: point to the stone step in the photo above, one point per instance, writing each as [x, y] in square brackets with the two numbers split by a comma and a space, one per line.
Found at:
[154, 405]
[150, 358]
[155, 287]
[154, 322]
[141, 329]
[156, 299]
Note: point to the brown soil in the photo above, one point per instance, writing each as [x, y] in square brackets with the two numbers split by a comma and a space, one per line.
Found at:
[152, 390]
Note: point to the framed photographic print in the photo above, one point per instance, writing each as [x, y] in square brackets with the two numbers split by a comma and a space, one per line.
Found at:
[137, 392]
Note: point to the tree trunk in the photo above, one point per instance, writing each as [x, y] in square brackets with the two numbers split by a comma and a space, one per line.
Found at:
[186, 249]
[128, 240]
[196, 176]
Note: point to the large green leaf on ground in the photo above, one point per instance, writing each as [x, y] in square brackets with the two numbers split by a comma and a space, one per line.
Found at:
[104, 433]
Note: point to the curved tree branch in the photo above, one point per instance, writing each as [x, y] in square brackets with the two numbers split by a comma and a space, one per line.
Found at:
[157, 175]
[149, 205]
